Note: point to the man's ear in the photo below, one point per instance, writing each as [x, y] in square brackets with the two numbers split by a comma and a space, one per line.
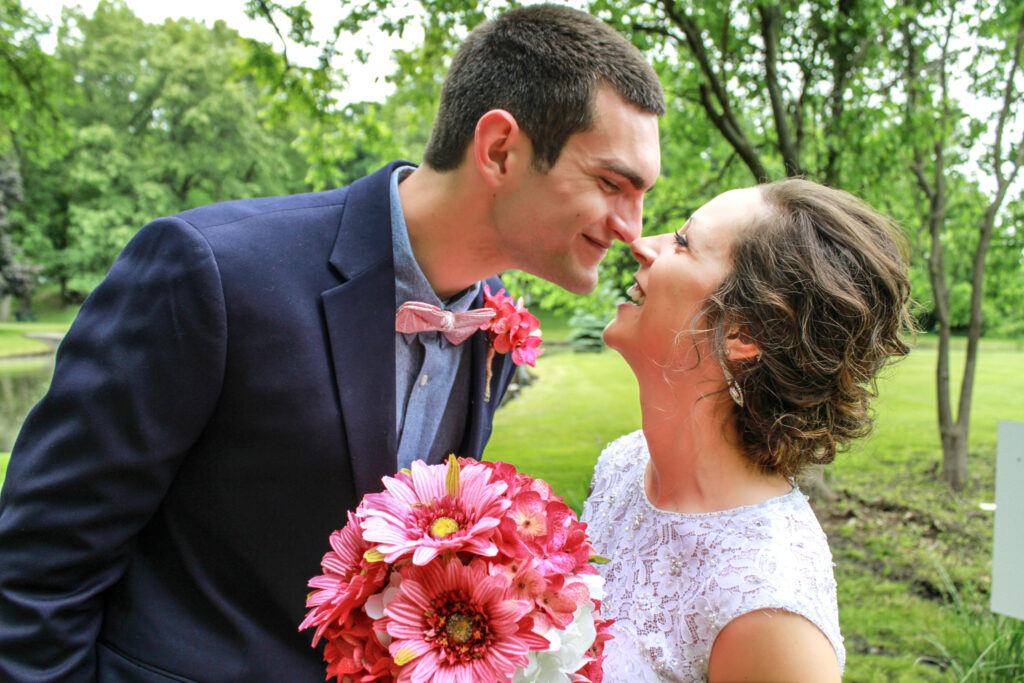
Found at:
[499, 146]
[740, 346]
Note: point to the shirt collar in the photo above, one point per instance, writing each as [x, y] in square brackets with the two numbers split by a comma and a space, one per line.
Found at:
[410, 282]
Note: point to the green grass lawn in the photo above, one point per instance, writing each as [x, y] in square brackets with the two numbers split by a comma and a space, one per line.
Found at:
[559, 425]
[903, 543]
[13, 341]
[50, 318]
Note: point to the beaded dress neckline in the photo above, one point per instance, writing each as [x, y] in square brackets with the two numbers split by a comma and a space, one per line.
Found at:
[675, 579]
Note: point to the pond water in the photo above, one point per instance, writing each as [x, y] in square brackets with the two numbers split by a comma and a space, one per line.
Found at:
[23, 381]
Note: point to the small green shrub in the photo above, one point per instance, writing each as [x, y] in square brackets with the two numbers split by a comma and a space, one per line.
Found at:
[585, 332]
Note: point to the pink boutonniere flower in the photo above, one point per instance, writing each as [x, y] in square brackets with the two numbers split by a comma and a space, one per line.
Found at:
[513, 329]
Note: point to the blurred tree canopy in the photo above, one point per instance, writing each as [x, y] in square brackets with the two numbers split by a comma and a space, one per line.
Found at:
[155, 119]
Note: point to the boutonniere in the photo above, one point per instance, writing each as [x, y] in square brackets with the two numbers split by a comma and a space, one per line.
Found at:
[513, 329]
[509, 326]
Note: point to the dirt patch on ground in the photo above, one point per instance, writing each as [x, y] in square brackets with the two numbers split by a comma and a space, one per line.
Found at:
[900, 541]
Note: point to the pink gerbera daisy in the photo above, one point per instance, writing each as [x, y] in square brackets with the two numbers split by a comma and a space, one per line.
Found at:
[451, 623]
[436, 508]
[347, 581]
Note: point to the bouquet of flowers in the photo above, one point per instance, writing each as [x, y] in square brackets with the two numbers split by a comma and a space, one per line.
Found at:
[460, 572]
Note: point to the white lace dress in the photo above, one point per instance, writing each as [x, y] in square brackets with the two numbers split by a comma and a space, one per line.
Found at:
[675, 580]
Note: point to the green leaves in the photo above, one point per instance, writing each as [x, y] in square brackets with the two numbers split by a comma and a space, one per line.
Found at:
[33, 84]
[161, 119]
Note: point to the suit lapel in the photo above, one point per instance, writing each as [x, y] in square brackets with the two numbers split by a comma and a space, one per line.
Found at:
[360, 317]
[478, 427]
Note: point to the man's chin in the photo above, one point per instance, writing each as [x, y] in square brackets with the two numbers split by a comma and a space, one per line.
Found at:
[578, 283]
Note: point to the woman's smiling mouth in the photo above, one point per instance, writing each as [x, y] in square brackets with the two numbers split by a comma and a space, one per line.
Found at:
[636, 293]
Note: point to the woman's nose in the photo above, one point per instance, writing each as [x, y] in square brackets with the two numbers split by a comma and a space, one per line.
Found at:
[644, 250]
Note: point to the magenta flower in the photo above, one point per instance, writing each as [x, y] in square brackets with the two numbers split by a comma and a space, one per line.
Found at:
[433, 510]
[452, 623]
[354, 653]
[551, 532]
[560, 599]
[347, 581]
[513, 328]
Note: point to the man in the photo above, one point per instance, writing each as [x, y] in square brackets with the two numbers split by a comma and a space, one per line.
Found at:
[236, 384]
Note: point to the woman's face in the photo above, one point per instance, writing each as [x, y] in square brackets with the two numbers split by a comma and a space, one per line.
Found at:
[678, 271]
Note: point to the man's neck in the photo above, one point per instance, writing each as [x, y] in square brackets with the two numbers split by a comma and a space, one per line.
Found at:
[445, 214]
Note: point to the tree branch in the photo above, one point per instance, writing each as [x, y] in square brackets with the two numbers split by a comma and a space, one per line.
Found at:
[734, 136]
[713, 90]
[264, 10]
[1004, 113]
[770, 36]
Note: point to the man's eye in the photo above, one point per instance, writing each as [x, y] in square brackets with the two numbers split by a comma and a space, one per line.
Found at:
[609, 185]
[681, 239]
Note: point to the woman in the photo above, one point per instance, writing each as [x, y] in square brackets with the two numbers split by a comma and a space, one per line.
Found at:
[755, 334]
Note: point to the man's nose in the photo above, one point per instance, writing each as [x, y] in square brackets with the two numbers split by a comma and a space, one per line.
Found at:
[627, 221]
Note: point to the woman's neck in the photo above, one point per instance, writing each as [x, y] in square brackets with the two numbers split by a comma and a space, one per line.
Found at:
[697, 463]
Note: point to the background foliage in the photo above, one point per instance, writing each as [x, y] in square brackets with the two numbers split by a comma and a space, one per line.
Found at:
[127, 121]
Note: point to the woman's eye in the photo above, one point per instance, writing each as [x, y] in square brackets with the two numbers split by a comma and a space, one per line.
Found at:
[681, 239]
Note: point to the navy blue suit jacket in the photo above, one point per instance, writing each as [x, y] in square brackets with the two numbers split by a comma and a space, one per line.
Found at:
[221, 401]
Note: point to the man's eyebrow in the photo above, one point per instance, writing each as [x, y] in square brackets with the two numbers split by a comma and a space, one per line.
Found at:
[629, 174]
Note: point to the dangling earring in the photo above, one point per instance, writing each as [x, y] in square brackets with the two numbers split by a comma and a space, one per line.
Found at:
[734, 387]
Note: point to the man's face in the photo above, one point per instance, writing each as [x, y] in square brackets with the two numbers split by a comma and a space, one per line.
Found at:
[558, 225]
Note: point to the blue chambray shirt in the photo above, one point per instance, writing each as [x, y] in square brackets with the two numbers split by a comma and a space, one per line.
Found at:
[432, 375]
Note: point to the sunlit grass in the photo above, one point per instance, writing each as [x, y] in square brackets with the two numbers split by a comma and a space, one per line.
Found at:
[13, 341]
[560, 424]
[50, 318]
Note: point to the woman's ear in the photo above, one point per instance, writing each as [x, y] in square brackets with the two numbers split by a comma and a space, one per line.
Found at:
[740, 346]
[499, 146]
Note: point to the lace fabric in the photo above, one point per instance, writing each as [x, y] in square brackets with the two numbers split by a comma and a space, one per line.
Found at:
[674, 580]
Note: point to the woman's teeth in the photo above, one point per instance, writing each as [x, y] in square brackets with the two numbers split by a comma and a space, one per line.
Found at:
[636, 294]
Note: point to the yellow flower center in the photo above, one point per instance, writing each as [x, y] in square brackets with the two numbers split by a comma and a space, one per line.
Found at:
[443, 526]
[459, 627]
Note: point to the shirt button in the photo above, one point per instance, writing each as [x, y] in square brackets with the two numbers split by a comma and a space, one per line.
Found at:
[423, 380]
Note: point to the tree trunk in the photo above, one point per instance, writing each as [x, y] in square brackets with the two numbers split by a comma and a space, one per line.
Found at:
[5, 308]
[812, 482]
[1004, 170]
[770, 34]
[954, 456]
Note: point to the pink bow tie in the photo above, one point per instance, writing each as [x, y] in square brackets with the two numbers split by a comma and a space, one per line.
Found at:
[415, 316]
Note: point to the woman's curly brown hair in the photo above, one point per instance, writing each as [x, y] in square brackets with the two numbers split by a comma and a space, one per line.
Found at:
[821, 286]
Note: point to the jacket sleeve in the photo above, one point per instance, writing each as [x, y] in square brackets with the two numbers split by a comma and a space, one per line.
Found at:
[135, 380]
